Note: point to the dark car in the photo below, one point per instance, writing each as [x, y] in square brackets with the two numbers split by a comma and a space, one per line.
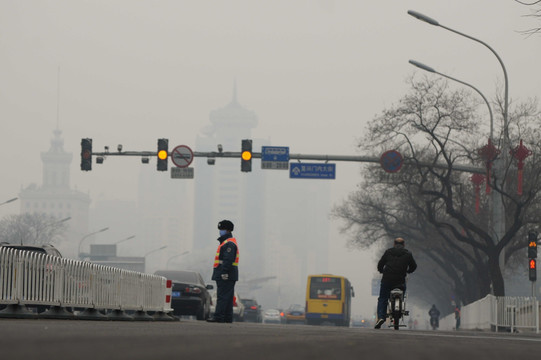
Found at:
[190, 295]
[252, 310]
[46, 249]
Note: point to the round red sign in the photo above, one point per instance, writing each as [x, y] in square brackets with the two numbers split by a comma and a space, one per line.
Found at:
[182, 156]
[391, 161]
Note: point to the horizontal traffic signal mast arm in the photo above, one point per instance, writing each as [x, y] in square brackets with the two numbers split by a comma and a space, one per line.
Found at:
[352, 158]
[257, 155]
[126, 153]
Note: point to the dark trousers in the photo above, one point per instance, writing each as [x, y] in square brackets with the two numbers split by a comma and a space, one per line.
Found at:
[384, 294]
[224, 300]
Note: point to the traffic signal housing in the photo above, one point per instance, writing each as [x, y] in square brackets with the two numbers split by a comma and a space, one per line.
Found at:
[246, 155]
[162, 154]
[86, 154]
[532, 245]
[532, 269]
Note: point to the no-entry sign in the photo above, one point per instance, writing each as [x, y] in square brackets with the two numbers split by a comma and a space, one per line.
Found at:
[182, 156]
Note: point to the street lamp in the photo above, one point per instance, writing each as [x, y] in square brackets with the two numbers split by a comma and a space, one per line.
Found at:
[155, 250]
[431, 21]
[61, 221]
[150, 252]
[87, 236]
[498, 215]
[430, 69]
[172, 257]
[8, 201]
[126, 239]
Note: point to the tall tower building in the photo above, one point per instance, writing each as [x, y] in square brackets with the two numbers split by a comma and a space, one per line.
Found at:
[222, 191]
[55, 196]
[282, 224]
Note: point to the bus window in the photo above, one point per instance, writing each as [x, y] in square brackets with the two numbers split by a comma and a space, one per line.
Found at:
[325, 288]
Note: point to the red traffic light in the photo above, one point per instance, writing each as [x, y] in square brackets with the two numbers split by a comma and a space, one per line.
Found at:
[533, 264]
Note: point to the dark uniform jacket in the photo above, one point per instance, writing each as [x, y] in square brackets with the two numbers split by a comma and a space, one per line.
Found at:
[228, 253]
[395, 264]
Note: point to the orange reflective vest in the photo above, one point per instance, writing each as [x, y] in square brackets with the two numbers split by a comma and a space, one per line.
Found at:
[217, 260]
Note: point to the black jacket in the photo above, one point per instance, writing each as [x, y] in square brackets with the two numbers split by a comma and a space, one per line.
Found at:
[434, 312]
[395, 264]
[228, 253]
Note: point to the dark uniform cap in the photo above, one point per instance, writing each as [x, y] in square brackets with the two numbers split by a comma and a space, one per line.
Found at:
[225, 225]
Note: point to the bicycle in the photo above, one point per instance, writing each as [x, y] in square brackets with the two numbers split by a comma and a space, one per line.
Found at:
[397, 308]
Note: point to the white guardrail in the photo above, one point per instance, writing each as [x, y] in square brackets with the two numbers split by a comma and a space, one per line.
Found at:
[497, 313]
[78, 289]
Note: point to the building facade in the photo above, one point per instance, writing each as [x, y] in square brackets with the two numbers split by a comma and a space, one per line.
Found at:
[281, 224]
[56, 198]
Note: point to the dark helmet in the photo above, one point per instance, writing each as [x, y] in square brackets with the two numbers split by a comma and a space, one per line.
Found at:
[225, 225]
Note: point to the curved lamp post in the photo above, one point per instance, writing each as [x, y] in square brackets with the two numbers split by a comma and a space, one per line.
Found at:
[498, 216]
[430, 69]
[431, 21]
[155, 250]
[87, 236]
[50, 237]
[173, 257]
[126, 239]
[8, 201]
[150, 252]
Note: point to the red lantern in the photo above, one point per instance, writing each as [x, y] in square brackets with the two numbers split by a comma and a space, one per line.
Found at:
[477, 180]
[520, 153]
[488, 152]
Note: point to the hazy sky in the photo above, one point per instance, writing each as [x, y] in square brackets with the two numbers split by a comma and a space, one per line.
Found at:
[314, 72]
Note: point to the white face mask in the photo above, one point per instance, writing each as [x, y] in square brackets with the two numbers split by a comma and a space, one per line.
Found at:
[223, 232]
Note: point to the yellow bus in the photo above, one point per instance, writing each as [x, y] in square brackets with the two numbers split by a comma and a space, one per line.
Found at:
[328, 299]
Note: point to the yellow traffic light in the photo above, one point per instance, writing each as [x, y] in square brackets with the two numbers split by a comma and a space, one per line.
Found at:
[162, 155]
[246, 155]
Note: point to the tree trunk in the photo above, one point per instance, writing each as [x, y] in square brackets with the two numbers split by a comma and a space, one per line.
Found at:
[496, 275]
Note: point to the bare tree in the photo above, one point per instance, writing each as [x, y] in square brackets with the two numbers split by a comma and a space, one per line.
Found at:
[431, 203]
[31, 229]
[535, 11]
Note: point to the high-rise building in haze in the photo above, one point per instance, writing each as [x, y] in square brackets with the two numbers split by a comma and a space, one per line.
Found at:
[281, 224]
[56, 198]
[222, 191]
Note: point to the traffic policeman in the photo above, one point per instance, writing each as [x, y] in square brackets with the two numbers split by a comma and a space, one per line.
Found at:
[225, 273]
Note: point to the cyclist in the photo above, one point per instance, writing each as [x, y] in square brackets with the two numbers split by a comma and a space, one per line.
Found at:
[434, 317]
[395, 264]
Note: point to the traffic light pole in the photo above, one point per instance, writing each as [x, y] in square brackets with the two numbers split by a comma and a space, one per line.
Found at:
[257, 155]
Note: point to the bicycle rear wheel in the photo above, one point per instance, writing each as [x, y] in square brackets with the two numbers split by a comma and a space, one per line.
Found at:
[397, 312]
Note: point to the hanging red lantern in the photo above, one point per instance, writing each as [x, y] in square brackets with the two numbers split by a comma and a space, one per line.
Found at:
[477, 180]
[489, 153]
[520, 153]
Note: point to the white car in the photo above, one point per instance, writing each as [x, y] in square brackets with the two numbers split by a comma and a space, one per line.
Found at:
[238, 307]
[272, 316]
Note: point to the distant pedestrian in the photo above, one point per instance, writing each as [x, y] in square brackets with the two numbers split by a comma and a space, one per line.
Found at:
[457, 317]
[225, 273]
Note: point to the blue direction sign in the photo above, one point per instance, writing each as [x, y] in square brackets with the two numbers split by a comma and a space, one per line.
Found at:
[274, 153]
[275, 157]
[312, 171]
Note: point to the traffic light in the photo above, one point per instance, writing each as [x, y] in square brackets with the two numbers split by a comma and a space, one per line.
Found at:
[532, 245]
[163, 154]
[246, 156]
[532, 270]
[86, 154]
